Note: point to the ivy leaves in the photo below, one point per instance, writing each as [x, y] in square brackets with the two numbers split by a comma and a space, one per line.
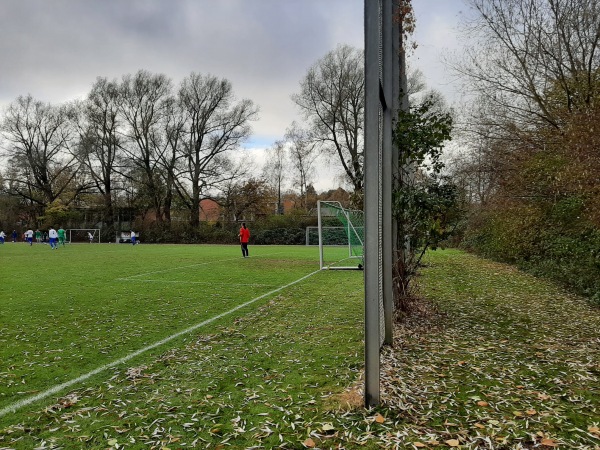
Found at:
[425, 203]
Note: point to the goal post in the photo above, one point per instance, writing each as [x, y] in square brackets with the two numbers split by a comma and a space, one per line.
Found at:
[340, 236]
[80, 235]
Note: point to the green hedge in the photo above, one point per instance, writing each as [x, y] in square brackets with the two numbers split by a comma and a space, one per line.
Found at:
[274, 230]
[555, 242]
[281, 236]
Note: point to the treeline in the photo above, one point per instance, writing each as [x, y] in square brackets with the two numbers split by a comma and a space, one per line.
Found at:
[138, 137]
[142, 152]
[531, 170]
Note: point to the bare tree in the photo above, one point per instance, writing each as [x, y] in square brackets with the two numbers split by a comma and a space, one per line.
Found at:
[331, 99]
[144, 107]
[302, 156]
[415, 82]
[171, 155]
[275, 170]
[215, 125]
[244, 199]
[100, 140]
[528, 56]
[38, 140]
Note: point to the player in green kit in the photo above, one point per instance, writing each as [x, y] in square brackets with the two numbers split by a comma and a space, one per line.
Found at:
[61, 236]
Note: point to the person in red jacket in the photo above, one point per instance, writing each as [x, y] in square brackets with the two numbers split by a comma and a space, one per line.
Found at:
[244, 238]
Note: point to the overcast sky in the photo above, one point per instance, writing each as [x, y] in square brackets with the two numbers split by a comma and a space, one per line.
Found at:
[55, 49]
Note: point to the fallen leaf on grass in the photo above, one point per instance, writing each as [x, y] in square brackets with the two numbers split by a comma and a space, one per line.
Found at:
[419, 444]
[309, 443]
[327, 428]
[379, 418]
[482, 403]
[453, 442]
[549, 442]
[594, 430]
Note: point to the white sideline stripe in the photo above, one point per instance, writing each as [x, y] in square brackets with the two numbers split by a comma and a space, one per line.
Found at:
[26, 401]
[137, 280]
[191, 265]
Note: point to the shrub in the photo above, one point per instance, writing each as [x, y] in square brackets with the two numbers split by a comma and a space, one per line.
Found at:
[555, 242]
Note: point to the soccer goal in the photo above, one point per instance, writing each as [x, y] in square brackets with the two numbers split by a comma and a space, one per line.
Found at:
[81, 235]
[340, 236]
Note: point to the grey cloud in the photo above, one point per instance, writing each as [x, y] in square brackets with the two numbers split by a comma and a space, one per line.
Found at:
[55, 49]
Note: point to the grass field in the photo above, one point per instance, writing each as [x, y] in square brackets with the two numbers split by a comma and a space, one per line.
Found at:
[67, 312]
[502, 361]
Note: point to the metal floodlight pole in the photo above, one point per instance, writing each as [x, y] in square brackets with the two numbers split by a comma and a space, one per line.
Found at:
[372, 202]
[381, 85]
[388, 81]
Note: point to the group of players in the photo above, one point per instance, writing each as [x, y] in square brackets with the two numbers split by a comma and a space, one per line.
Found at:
[54, 237]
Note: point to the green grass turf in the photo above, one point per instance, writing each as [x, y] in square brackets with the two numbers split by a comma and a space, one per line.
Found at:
[66, 312]
[508, 361]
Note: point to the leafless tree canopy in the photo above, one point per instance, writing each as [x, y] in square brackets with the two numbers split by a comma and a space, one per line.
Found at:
[527, 56]
[137, 136]
[302, 150]
[215, 123]
[275, 170]
[331, 99]
[143, 107]
[100, 141]
[39, 140]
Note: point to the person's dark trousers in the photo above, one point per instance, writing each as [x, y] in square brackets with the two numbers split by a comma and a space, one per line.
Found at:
[244, 249]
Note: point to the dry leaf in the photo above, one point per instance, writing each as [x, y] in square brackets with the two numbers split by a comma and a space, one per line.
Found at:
[549, 442]
[453, 442]
[531, 412]
[479, 425]
[327, 427]
[594, 430]
[379, 418]
[482, 403]
[419, 444]
[309, 443]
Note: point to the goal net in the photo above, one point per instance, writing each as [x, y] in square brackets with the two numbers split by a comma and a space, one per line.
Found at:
[81, 235]
[340, 236]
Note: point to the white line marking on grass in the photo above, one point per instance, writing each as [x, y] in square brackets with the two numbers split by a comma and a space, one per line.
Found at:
[26, 401]
[191, 265]
[198, 282]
